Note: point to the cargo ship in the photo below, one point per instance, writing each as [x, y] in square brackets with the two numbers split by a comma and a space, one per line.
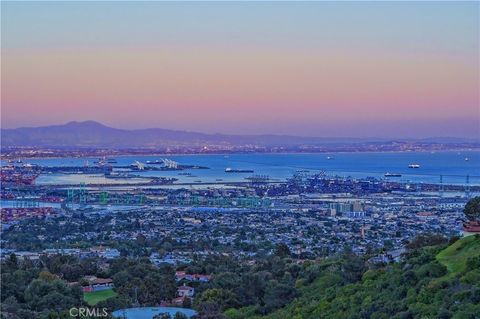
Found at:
[119, 175]
[392, 175]
[105, 161]
[232, 170]
[156, 162]
[77, 169]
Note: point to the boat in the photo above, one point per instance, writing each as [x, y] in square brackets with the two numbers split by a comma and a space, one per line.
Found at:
[156, 162]
[392, 175]
[413, 165]
[232, 170]
[28, 165]
[118, 175]
[467, 159]
[329, 157]
[105, 161]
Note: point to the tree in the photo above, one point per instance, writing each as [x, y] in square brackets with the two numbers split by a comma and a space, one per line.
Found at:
[221, 297]
[472, 208]
[187, 303]
[180, 315]
[145, 283]
[426, 240]
[210, 311]
[278, 295]
[52, 295]
[10, 305]
[141, 239]
[282, 250]
[12, 261]
[352, 267]
[46, 276]
[473, 263]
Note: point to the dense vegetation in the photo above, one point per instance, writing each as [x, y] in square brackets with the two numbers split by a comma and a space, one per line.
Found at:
[267, 285]
[435, 280]
[40, 289]
[29, 291]
[432, 282]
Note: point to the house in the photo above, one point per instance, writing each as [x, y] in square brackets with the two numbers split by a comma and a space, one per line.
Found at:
[98, 284]
[179, 275]
[110, 253]
[27, 255]
[472, 227]
[185, 291]
[396, 254]
[105, 252]
[182, 275]
[179, 301]
[168, 259]
[202, 278]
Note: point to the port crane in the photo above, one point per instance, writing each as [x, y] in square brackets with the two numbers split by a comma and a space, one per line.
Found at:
[169, 163]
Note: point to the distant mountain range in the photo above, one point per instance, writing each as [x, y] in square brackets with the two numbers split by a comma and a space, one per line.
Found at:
[96, 135]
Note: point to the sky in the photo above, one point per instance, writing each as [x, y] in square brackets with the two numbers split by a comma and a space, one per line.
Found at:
[346, 69]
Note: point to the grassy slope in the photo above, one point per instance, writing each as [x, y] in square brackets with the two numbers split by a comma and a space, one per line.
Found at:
[455, 256]
[92, 298]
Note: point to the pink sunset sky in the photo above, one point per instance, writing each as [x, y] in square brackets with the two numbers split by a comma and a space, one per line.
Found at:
[315, 69]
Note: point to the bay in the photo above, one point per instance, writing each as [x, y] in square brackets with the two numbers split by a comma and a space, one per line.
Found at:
[454, 166]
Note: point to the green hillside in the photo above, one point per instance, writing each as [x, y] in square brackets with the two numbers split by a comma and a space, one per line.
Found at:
[432, 282]
[455, 256]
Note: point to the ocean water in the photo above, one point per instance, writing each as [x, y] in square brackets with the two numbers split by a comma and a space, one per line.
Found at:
[452, 165]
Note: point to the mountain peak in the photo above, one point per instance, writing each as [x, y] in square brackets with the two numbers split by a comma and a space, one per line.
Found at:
[88, 123]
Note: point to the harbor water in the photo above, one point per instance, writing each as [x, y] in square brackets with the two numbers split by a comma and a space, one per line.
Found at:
[452, 165]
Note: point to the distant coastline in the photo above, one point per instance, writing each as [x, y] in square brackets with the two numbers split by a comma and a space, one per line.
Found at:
[11, 156]
[93, 139]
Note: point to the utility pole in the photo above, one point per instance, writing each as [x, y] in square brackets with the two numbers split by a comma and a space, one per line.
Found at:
[467, 187]
[441, 186]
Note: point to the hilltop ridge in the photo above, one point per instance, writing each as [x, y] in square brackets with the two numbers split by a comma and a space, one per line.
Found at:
[96, 135]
